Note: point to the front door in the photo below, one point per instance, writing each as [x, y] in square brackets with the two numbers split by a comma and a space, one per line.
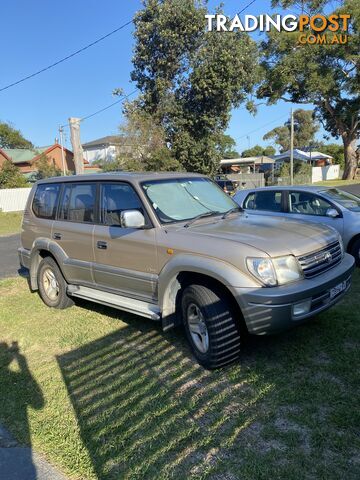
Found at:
[125, 258]
[313, 208]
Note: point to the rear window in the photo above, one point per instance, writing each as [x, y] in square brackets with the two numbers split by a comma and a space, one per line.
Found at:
[46, 200]
[268, 200]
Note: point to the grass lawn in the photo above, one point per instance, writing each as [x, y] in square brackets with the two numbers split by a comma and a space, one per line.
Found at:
[10, 222]
[107, 395]
[337, 183]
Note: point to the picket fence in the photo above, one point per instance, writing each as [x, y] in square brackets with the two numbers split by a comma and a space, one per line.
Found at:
[13, 199]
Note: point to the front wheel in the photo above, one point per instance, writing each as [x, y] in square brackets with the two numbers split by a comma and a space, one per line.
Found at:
[355, 252]
[210, 325]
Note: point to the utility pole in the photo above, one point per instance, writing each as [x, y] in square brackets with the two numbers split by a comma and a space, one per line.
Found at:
[291, 147]
[62, 150]
[76, 145]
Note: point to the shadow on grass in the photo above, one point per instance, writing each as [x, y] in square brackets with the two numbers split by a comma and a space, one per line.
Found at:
[19, 391]
[146, 409]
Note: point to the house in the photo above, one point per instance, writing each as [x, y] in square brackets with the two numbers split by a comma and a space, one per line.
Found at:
[107, 148]
[25, 159]
[246, 164]
[314, 158]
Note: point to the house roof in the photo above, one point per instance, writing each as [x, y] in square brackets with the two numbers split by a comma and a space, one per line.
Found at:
[4, 154]
[104, 141]
[302, 155]
[247, 160]
[23, 155]
[27, 155]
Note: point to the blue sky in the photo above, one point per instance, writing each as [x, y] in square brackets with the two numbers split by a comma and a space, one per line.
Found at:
[38, 33]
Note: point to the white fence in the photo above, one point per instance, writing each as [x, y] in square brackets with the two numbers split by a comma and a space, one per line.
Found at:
[13, 199]
[331, 172]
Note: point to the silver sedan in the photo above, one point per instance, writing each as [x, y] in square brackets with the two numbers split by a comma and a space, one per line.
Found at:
[318, 204]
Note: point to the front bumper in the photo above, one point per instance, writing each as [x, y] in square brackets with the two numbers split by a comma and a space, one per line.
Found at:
[268, 310]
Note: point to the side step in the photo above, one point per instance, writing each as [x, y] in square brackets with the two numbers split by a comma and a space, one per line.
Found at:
[144, 309]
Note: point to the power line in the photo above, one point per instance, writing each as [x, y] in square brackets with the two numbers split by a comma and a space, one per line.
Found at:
[247, 6]
[67, 57]
[121, 99]
[265, 125]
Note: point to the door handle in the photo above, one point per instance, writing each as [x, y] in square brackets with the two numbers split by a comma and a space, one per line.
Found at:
[101, 245]
[57, 236]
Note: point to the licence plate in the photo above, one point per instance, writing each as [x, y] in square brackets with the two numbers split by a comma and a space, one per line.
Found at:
[338, 289]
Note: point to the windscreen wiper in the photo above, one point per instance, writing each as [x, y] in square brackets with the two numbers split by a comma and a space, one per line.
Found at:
[232, 210]
[202, 215]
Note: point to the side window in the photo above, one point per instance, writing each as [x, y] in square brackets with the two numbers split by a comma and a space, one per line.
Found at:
[269, 200]
[78, 203]
[116, 197]
[45, 200]
[250, 201]
[307, 204]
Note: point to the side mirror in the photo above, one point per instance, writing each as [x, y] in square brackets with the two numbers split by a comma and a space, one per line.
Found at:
[132, 219]
[332, 213]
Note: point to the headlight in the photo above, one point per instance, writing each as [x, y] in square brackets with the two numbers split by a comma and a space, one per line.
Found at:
[276, 271]
[287, 269]
[263, 270]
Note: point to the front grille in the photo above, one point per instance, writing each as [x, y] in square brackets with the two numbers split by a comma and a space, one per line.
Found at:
[322, 260]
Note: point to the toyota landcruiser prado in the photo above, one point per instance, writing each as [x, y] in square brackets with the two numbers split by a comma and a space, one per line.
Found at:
[175, 248]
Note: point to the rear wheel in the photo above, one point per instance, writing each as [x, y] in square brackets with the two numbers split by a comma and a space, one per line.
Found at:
[52, 285]
[355, 251]
[210, 325]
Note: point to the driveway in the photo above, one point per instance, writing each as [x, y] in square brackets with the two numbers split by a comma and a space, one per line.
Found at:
[9, 260]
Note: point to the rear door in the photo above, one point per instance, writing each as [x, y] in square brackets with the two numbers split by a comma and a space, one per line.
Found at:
[73, 230]
[125, 258]
[39, 216]
[265, 202]
[311, 207]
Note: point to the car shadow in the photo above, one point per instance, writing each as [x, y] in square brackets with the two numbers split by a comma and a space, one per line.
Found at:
[147, 409]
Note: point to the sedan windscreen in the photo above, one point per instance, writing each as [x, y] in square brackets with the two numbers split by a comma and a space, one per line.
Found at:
[345, 199]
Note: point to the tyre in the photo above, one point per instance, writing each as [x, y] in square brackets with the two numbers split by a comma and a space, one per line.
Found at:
[210, 325]
[355, 251]
[52, 285]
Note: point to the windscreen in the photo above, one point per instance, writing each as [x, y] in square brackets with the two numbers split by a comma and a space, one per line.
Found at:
[180, 199]
[347, 200]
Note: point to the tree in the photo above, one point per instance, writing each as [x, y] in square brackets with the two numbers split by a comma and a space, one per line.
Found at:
[11, 177]
[305, 128]
[143, 143]
[301, 169]
[326, 75]
[46, 169]
[226, 146]
[258, 151]
[12, 138]
[336, 151]
[190, 78]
